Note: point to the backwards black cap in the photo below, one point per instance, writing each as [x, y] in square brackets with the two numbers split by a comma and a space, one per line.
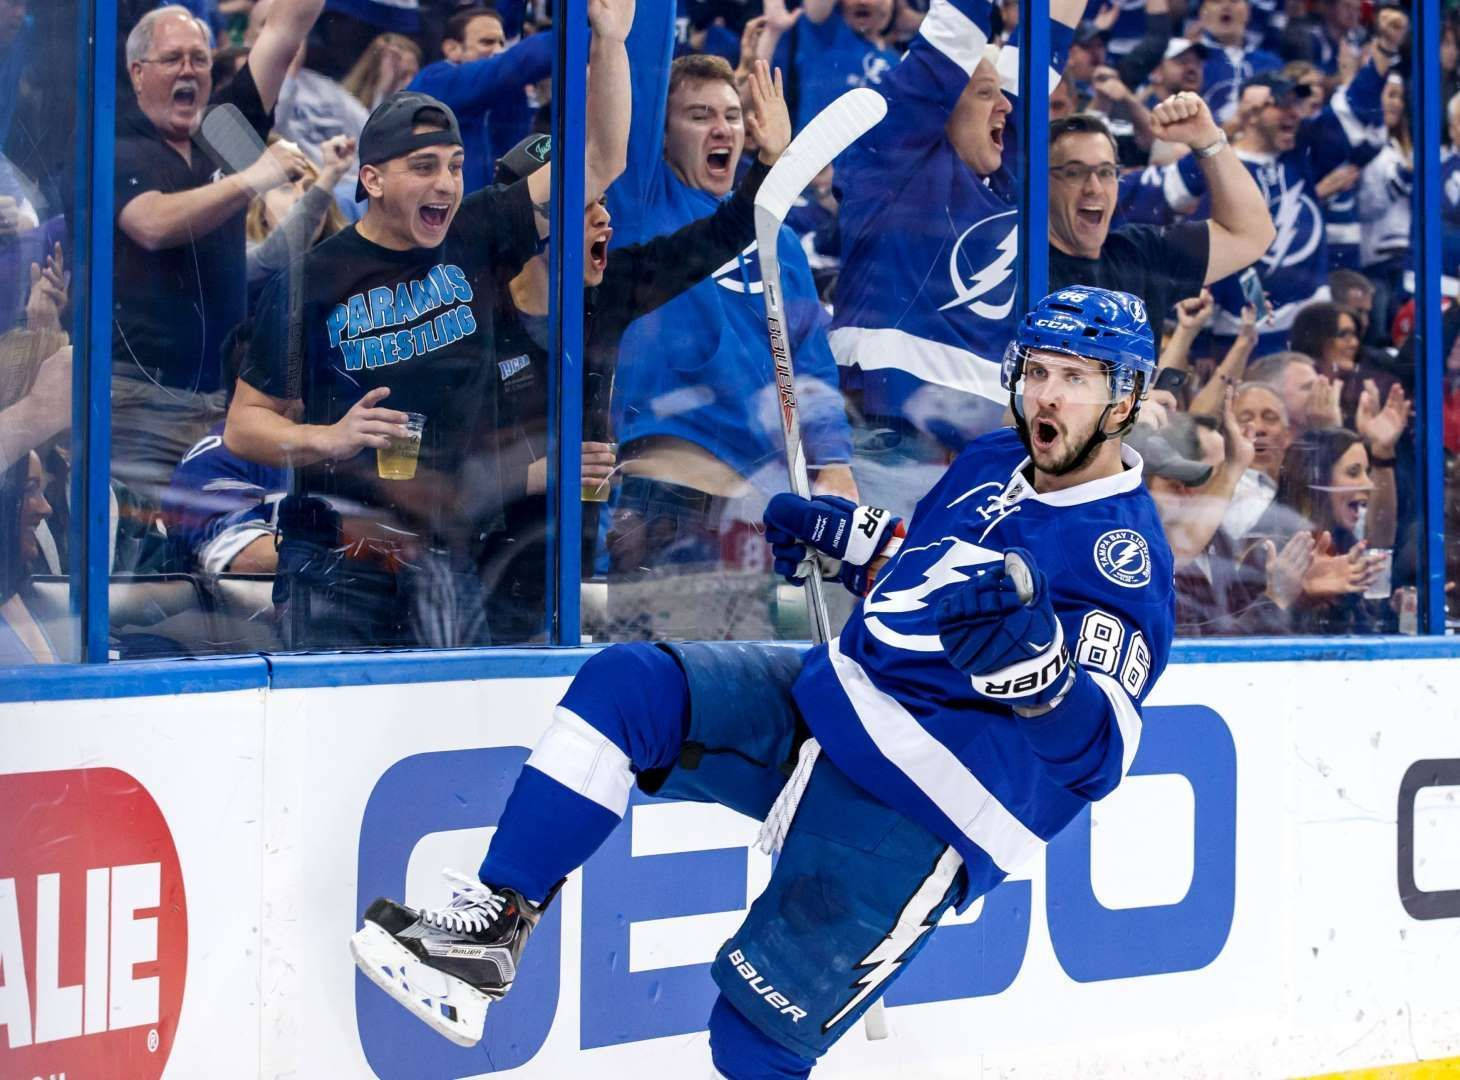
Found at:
[390, 131]
[524, 159]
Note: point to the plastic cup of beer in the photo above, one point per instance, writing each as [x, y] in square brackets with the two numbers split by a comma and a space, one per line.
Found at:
[597, 490]
[1383, 583]
[398, 460]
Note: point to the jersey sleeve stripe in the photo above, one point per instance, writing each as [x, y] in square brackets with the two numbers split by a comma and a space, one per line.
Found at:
[931, 361]
[955, 34]
[1008, 65]
[582, 759]
[956, 792]
[1127, 717]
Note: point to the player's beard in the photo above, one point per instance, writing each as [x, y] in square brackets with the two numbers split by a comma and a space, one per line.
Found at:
[1068, 453]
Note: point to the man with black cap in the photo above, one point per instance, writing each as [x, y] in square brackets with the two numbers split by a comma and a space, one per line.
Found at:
[620, 286]
[376, 547]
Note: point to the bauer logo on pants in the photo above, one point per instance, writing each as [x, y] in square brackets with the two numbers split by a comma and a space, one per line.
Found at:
[93, 927]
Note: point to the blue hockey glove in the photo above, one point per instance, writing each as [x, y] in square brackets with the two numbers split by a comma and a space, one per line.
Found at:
[849, 537]
[1000, 629]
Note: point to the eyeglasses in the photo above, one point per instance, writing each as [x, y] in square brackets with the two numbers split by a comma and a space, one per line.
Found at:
[172, 63]
[1075, 172]
[1347, 332]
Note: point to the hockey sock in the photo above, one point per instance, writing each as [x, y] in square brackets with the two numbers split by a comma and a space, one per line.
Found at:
[742, 1051]
[625, 711]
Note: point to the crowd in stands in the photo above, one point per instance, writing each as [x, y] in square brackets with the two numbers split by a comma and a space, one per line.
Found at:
[329, 252]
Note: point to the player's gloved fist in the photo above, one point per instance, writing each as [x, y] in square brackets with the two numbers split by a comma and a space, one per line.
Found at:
[848, 536]
[1000, 629]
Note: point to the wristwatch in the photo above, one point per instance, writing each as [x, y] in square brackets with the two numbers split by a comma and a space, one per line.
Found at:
[1213, 149]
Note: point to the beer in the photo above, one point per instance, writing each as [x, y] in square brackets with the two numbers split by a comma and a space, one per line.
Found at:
[398, 460]
[595, 491]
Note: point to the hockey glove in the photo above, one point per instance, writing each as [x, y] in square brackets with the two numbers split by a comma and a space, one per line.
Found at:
[1000, 629]
[849, 537]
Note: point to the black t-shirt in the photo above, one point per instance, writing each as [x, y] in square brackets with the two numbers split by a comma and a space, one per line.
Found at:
[422, 322]
[1158, 265]
[171, 309]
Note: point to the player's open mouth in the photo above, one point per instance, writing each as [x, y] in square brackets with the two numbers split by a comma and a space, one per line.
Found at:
[1045, 434]
[718, 162]
[598, 251]
[434, 215]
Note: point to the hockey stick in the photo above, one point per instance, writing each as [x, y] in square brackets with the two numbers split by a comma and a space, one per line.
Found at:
[829, 133]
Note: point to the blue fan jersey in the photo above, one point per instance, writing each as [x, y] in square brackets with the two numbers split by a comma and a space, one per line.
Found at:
[906, 725]
[1227, 70]
[930, 257]
[218, 503]
[699, 367]
[826, 60]
[1294, 269]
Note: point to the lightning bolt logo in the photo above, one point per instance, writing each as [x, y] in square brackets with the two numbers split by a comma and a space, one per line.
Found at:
[1287, 218]
[915, 920]
[990, 277]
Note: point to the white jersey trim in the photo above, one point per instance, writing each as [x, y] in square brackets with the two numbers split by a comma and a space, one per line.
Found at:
[1127, 717]
[1128, 479]
[582, 759]
[954, 35]
[935, 769]
[931, 361]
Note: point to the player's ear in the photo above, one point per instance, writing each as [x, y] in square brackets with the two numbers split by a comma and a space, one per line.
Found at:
[1123, 408]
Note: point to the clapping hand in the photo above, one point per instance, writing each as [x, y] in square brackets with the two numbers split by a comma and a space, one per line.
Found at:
[768, 121]
[1381, 428]
[49, 287]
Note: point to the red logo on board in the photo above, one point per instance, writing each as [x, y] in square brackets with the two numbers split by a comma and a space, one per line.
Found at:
[93, 927]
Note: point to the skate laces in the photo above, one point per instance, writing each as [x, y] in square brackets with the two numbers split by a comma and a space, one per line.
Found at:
[472, 910]
[778, 822]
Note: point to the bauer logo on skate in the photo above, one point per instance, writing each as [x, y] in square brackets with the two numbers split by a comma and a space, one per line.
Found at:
[93, 926]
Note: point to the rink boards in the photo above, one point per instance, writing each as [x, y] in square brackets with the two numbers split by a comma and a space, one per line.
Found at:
[1274, 891]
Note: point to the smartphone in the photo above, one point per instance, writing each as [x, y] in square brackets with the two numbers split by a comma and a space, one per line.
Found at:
[1170, 379]
[1252, 292]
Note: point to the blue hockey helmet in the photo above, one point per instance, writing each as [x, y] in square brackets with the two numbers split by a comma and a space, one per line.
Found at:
[1099, 324]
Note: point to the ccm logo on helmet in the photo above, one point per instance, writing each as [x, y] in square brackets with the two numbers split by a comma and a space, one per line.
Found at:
[93, 926]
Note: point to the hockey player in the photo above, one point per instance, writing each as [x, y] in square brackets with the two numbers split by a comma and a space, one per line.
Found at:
[986, 688]
[929, 223]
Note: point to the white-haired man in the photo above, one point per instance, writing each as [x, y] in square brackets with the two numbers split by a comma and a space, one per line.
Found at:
[180, 283]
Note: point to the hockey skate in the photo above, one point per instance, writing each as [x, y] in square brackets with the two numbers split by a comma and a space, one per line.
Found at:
[448, 965]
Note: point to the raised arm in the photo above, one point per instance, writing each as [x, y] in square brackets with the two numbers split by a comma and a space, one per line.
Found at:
[287, 25]
[1241, 225]
[478, 84]
[818, 11]
[610, 95]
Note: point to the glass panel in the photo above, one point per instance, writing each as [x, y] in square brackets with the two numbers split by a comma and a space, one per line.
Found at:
[38, 243]
[898, 272]
[1290, 505]
[318, 442]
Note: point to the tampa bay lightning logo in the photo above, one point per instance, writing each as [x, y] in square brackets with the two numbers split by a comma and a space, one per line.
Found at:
[735, 275]
[987, 290]
[1122, 556]
[1299, 228]
[874, 66]
[898, 611]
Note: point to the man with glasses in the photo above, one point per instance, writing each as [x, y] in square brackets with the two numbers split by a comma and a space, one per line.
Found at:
[180, 282]
[1160, 265]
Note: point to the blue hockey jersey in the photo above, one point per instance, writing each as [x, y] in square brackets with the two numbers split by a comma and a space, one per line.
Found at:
[218, 503]
[1227, 70]
[1294, 269]
[930, 257]
[895, 716]
[489, 101]
[827, 59]
[699, 367]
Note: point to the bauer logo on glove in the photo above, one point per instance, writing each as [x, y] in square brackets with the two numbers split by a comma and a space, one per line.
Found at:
[846, 537]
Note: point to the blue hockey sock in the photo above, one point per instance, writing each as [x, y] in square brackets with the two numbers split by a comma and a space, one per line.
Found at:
[625, 711]
[742, 1051]
[545, 833]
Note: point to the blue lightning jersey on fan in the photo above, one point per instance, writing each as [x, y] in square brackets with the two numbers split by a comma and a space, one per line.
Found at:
[895, 716]
[699, 367]
[1294, 269]
[1450, 209]
[930, 257]
[218, 503]
[826, 60]
[1227, 70]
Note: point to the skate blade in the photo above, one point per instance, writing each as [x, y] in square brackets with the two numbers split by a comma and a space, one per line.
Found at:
[445, 1003]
